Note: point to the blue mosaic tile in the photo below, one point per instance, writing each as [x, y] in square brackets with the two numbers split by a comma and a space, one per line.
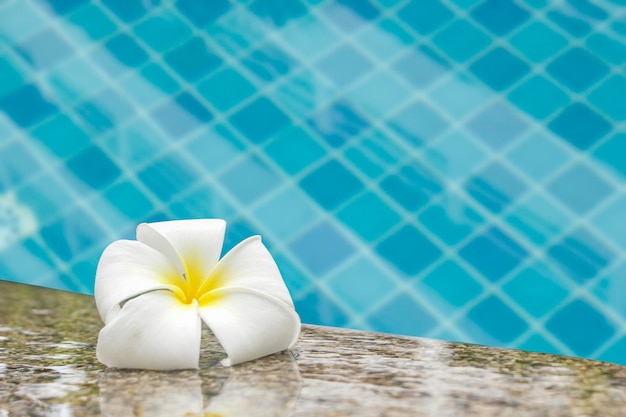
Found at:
[128, 199]
[249, 179]
[499, 69]
[361, 284]
[608, 220]
[538, 156]
[536, 289]
[289, 11]
[168, 175]
[201, 14]
[310, 305]
[451, 219]
[65, 6]
[338, 123]
[493, 254]
[19, 20]
[201, 201]
[294, 149]
[538, 42]
[193, 59]
[607, 48]
[539, 97]
[93, 22]
[451, 284]
[608, 95]
[461, 40]
[214, 149]
[386, 39]
[345, 184]
[425, 16]
[566, 188]
[17, 163]
[74, 79]
[538, 219]
[573, 25]
[93, 167]
[45, 49]
[580, 126]
[412, 186]
[416, 319]
[408, 250]
[500, 16]
[610, 152]
[71, 235]
[499, 322]
[269, 63]
[418, 123]
[581, 255]
[344, 65]
[610, 289]
[379, 94]
[11, 75]
[259, 120]
[182, 115]
[421, 66]
[538, 343]
[495, 187]
[286, 215]
[566, 324]
[162, 32]
[360, 212]
[127, 10]
[497, 125]
[589, 69]
[74, 138]
[322, 248]
[27, 105]
[460, 96]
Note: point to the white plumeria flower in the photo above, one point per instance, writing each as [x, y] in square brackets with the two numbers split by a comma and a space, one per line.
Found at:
[152, 294]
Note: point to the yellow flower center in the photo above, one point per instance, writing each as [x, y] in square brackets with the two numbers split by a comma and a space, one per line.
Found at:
[194, 286]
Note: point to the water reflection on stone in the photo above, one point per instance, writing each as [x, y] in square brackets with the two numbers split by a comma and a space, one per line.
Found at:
[214, 392]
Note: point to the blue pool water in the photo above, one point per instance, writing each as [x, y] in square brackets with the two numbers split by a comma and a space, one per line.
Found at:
[443, 168]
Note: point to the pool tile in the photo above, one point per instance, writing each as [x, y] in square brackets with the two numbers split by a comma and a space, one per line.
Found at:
[579, 311]
[129, 200]
[361, 284]
[338, 123]
[499, 69]
[403, 315]
[538, 42]
[289, 11]
[538, 219]
[226, 88]
[369, 216]
[539, 97]
[163, 31]
[193, 59]
[500, 16]
[127, 10]
[379, 94]
[497, 320]
[607, 97]
[566, 188]
[589, 69]
[11, 75]
[409, 250]
[168, 176]
[461, 40]
[580, 125]
[495, 187]
[315, 307]
[608, 48]
[287, 213]
[425, 16]
[202, 14]
[412, 186]
[322, 248]
[494, 254]
[249, 179]
[421, 66]
[418, 123]
[609, 221]
[344, 65]
[498, 125]
[573, 25]
[451, 219]
[44, 49]
[72, 234]
[385, 40]
[610, 152]
[181, 115]
[451, 285]
[536, 289]
[581, 255]
[17, 164]
[460, 96]
[94, 167]
[74, 138]
[345, 184]
[269, 62]
[294, 149]
[260, 120]
[126, 50]
[27, 105]
[93, 21]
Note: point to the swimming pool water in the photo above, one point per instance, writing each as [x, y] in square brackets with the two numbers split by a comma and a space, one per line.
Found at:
[442, 168]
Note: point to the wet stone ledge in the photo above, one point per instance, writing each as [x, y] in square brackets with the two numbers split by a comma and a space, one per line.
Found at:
[48, 368]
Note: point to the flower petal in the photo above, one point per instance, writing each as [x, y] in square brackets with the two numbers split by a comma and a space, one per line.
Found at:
[153, 331]
[198, 242]
[250, 265]
[249, 324]
[126, 269]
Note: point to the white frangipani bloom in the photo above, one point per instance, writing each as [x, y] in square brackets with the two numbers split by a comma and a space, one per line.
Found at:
[152, 294]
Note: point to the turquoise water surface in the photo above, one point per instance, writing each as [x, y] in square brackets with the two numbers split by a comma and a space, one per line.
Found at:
[443, 168]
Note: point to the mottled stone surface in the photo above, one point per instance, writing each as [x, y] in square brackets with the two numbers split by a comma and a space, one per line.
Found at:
[48, 368]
